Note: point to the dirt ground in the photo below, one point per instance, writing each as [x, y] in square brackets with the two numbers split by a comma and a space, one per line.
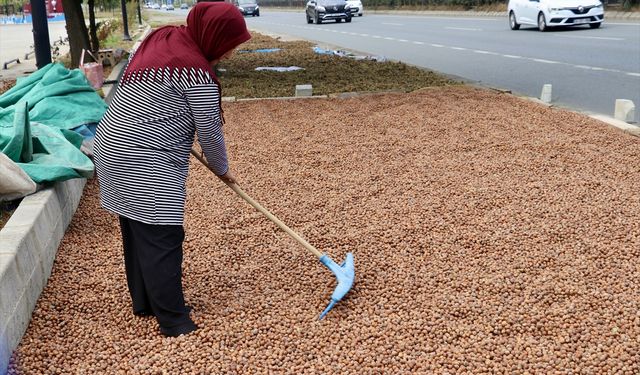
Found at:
[490, 234]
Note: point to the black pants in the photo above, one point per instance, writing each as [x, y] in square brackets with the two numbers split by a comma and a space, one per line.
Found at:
[153, 263]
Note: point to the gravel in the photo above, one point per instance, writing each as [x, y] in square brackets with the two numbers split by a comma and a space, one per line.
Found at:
[491, 235]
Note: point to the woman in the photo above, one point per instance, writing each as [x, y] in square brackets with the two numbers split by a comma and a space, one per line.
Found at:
[167, 94]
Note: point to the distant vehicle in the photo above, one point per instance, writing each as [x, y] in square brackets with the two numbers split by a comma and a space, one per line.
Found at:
[551, 13]
[248, 7]
[184, 6]
[356, 7]
[155, 6]
[170, 7]
[163, 6]
[324, 10]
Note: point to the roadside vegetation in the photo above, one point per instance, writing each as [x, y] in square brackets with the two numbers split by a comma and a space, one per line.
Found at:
[328, 74]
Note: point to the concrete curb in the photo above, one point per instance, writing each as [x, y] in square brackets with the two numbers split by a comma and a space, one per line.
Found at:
[627, 128]
[28, 246]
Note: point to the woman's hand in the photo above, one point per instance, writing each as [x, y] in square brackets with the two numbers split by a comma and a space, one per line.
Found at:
[228, 177]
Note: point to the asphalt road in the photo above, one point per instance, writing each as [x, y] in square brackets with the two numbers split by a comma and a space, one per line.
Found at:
[589, 69]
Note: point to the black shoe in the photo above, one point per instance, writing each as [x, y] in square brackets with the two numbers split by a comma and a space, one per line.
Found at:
[178, 330]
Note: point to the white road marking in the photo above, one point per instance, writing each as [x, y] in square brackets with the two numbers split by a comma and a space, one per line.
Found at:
[484, 52]
[403, 40]
[450, 18]
[588, 37]
[634, 74]
[437, 45]
[545, 61]
[459, 48]
[624, 24]
[463, 28]
[392, 24]
[512, 56]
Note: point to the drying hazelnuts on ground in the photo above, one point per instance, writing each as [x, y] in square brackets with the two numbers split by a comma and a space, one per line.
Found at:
[490, 234]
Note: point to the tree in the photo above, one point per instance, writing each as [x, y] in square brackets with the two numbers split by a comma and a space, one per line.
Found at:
[93, 32]
[76, 29]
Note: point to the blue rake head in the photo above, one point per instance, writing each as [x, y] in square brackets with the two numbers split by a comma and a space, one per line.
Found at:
[345, 274]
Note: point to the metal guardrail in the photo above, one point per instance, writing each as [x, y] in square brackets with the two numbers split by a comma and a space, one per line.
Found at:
[6, 63]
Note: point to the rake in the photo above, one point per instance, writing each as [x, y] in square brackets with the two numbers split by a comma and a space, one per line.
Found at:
[345, 272]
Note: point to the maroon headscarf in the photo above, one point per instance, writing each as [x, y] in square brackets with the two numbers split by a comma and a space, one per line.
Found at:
[213, 29]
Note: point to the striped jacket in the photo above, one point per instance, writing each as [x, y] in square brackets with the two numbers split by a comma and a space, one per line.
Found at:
[142, 144]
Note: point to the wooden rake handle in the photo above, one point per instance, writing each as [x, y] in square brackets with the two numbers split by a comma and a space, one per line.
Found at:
[264, 211]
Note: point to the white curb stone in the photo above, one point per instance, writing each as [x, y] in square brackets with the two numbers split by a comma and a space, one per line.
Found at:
[304, 90]
[625, 110]
[545, 96]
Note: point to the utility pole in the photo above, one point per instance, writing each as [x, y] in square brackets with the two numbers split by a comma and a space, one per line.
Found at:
[125, 20]
[40, 33]
[139, 14]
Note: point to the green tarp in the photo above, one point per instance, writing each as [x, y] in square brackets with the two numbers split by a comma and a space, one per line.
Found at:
[36, 116]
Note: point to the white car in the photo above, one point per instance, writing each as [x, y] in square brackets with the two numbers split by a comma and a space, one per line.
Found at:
[356, 7]
[551, 13]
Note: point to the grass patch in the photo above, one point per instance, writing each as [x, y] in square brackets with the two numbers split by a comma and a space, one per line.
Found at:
[114, 40]
[328, 74]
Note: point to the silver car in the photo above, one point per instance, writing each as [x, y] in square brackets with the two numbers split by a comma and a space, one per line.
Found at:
[324, 10]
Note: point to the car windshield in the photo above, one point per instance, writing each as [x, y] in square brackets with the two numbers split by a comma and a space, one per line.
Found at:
[331, 2]
[246, 2]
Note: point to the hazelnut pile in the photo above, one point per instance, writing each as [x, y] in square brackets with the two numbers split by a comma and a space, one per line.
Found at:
[490, 234]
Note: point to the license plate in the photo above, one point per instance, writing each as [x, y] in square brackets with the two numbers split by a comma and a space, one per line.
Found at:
[581, 20]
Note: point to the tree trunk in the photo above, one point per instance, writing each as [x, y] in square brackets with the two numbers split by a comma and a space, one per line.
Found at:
[76, 29]
[93, 32]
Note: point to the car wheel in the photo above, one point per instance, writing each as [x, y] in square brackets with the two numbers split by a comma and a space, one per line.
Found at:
[318, 20]
[309, 20]
[338, 20]
[512, 21]
[542, 22]
[258, 14]
[348, 19]
[595, 25]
